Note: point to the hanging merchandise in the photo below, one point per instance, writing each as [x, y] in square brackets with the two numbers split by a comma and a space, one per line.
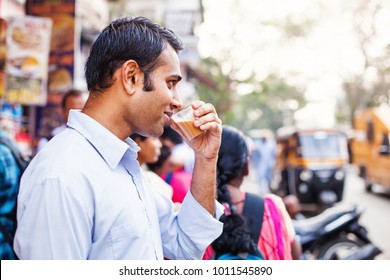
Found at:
[3, 52]
[61, 59]
[26, 67]
[62, 43]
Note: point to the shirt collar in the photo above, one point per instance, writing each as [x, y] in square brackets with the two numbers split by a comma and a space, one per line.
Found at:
[109, 146]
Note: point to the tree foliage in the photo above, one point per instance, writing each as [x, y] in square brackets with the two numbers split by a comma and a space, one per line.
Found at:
[369, 86]
[270, 104]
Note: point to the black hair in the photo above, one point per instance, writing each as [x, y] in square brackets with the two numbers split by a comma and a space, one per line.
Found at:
[172, 135]
[136, 136]
[236, 238]
[127, 38]
[232, 161]
[165, 153]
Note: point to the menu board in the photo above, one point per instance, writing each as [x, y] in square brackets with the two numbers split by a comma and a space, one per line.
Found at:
[3, 52]
[26, 66]
[61, 57]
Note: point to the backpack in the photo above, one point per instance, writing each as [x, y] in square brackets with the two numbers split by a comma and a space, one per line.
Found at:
[22, 164]
[20, 160]
[230, 256]
[254, 212]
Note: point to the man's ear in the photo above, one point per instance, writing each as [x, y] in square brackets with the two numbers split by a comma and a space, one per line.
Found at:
[130, 75]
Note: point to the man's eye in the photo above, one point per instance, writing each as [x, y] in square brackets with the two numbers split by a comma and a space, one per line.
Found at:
[171, 84]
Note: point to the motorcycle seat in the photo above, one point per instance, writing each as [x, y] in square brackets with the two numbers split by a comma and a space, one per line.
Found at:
[316, 223]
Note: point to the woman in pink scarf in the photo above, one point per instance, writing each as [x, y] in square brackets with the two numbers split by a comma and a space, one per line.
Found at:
[277, 239]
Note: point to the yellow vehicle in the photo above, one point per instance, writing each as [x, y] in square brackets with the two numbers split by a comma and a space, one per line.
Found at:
[370, 146]
[311, 165]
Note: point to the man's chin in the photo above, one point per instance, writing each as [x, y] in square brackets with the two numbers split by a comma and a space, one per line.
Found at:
[157, 132]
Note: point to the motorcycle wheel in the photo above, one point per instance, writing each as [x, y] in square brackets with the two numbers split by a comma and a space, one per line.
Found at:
[338, 249]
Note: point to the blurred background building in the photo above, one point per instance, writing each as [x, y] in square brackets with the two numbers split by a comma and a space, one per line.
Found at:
[75, 24]
[263, 64]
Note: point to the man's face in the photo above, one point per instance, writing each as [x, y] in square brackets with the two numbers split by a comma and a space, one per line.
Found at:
[155, 107]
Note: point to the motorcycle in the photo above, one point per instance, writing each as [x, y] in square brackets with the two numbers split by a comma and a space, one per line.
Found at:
[335, 234]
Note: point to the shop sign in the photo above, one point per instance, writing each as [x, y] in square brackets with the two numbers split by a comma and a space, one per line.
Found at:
[61, 58]
[26, 67]
[183, 22]
[3, 52]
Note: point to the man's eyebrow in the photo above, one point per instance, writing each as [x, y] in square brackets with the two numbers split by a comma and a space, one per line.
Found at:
[177, 77]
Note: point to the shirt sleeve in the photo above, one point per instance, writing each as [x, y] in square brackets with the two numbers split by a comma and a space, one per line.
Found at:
[187, 234]
[53, 224]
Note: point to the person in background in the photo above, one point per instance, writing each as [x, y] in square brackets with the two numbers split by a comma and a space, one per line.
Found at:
[84, 196]
[72, 99]
[264, 159]
[150, 150]
[182, 154]
[277, 239]
[163, 165]
[173, 174]
[9, 185]
[293, 207]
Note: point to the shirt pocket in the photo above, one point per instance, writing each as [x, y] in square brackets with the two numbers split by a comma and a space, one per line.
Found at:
[126, 238]
[125, 232]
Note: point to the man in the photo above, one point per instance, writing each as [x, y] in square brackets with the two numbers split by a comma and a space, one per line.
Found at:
[72, 99]
[264, 160]
[9, 186]
[83, 196]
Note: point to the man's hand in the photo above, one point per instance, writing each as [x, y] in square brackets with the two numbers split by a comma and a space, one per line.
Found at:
[206, 145]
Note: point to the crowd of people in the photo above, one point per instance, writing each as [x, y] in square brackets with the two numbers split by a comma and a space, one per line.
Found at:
[121, 181]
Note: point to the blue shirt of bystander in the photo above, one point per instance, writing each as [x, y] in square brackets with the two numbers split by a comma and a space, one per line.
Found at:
[9, 185]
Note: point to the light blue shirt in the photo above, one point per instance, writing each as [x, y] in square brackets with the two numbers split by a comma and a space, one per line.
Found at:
[83, 197]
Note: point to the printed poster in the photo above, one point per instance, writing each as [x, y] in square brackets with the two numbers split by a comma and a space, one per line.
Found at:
[3, 51]
[26, 67]
[61, 58]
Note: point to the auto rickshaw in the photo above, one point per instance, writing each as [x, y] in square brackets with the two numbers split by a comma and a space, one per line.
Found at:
[310, 163]
[370, 146]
